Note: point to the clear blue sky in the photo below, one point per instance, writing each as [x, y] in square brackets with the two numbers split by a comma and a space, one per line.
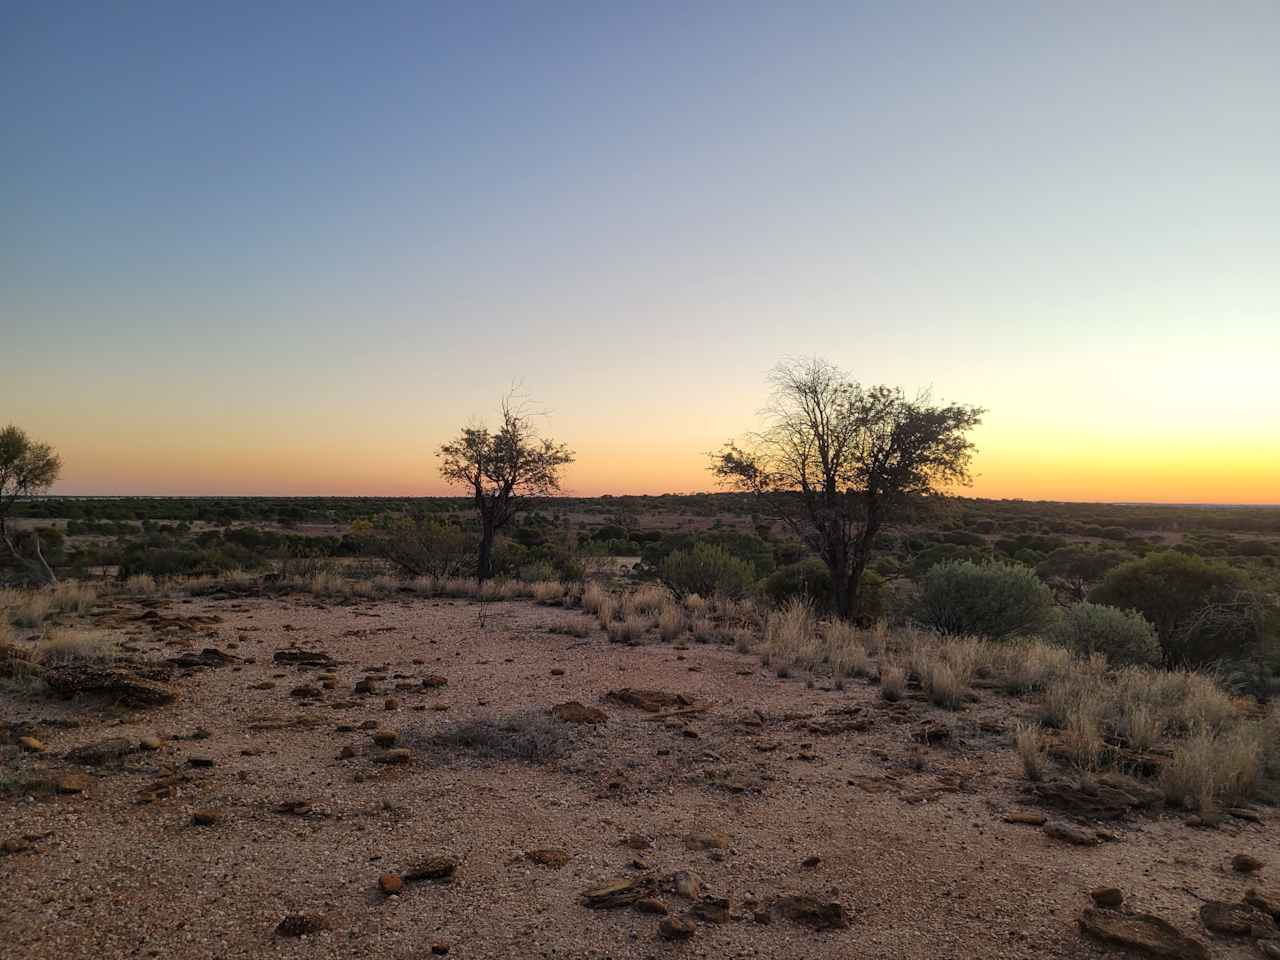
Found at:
[289, 247]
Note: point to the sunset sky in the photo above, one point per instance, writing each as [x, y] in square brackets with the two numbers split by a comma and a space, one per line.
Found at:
[289, 250]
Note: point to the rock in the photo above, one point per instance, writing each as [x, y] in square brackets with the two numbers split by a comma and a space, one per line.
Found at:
[810, 863]
[390, 884]
[102, 752]
[1027, 819]
[208, 657]
[150, 744]
[264, 685]
[1141, 932]
[1237, 920]
[1101, 799]
[1244, 813]
[674, 928]
[32, 745]
[205, 818]
[712, 910]
[391, 703]
[70, 784]
[810, 911]
[686, 884]
[1244, 863]
[117, 684]
[557, 672]
[707, 841]
[1070, 833]
[1266, 902]
[440, 949]
[549, 857]
[617, 893]
[1269, 949]
[575, 712]
[385, 738]
[762, 916]
[301, 925]
[1109, 897]
[636, 842]
[367, 685]
[651, 905]
[433, 681]
[200, 761]
[347, 752]
[395, 755]
[440, 869]
[297, 808]
[651, 701]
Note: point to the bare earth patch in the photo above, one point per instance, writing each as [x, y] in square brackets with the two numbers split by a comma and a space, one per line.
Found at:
[379, 778]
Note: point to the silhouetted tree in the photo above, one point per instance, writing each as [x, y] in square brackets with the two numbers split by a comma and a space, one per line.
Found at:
[27, 467]
[835, 460]
[500, 468]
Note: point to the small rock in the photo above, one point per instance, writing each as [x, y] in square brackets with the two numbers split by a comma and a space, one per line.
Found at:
[1109, 897]
[1027, 819]
[674, 928]
[396, 755]
[150, 744]
[347, 752]
[557, 672]
[385, 738]
[391, 703]
[1069, 833]
[390, 884]
[205, 818]
[686, 884]
[305, 692]
[549, 857]
[433, 681]
[433, 868]
[365, 686]
[812, 912]
[32, 745]
[1237, 920]
[651, 905]
[440, 949]
[200, 761]
[1141, 932]
[575, 712]
[707, 841]
[808, 863]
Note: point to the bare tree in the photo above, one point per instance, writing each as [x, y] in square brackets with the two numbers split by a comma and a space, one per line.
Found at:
[836, 460]
[27, 467]
[501, 468]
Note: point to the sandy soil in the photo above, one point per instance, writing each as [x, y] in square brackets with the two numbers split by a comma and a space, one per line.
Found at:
[910, 838]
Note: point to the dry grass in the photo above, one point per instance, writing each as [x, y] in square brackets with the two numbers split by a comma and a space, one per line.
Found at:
[629, 629]
[548, 592]
[62, 647]
[526, 737]
[1210, 767]
[1082, 741]
[671, 623]
[1028, 665]
[141, 585]
[593, 596]
[695, 604]
[893, 680]
[74, 597]
[646, 601]
[26, 608]
[1028, 740]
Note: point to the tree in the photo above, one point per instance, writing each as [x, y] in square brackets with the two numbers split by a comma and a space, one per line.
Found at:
[501, 468]
[836, 461]
[27, 468]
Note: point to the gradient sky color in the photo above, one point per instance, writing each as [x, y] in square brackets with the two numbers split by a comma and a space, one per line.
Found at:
[288, 248]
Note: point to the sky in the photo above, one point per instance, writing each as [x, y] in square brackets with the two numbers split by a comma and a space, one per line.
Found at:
[290, 248]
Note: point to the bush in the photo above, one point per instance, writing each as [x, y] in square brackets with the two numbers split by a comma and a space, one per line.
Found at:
[1123, 636]
[810, 580]
[1172, 590]
[707, 570]
[996, 600]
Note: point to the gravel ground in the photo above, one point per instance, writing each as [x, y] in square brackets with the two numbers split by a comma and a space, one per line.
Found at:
[910, 839]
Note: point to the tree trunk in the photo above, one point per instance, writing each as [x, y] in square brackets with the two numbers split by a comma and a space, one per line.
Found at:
[484, 569]
[840, 598]
[39, 564]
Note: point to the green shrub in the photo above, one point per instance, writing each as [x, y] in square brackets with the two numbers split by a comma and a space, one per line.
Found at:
[1123, 636]
[707, 570]
[1187, 599]
[993, 599]
[807, 580]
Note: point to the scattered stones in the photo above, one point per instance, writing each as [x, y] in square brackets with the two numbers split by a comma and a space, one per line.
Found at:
[1069, 833]
[306, 658]
[1141, 932]
[574, 712]
[810, 911]
[1108, 897]
[390, 884]
[1237, 920]
[1100, 799]
[116, 683]
[301, 925]
[674, 928]
[1267, 903]
[306, 692]
[440, 869]
[549, 857]
[712, 910]
[1244, 863]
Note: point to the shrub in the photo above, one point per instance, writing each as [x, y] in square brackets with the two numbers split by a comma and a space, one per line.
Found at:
[1028, 740]
[893, 681]
[27, 608]
[528, 737]
[671, 623]
[808, 580]
[707, 570]
[1208, 767]
[1123, 636]
[627, 630]
[548, 591]
[1171, 589]
[593, 595]
[996, 600]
